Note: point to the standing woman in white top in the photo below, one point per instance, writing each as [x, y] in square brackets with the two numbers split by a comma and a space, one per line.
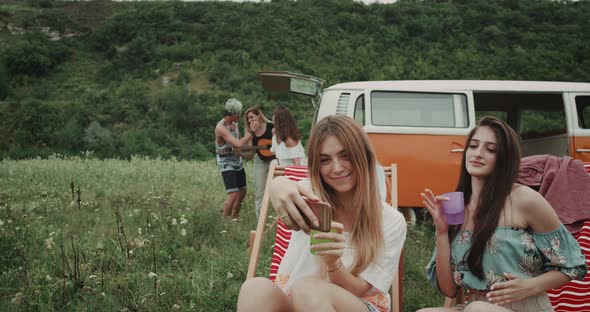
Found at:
[286, 141]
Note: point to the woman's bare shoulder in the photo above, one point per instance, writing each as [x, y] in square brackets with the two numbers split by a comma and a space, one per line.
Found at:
[534, 208]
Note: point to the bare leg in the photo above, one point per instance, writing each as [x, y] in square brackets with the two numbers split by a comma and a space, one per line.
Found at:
[238, 203]
[313, 294]
[260, 294]
[229, 204]
[437, 310]
[482, 306]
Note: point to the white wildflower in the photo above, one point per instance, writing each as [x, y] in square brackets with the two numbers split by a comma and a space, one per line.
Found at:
[17, 298]
[9, 221]
[49, 243]
[175, 307]
[103, 294]
[152, 274]
[91, 277]
[174, 222]
[223, 232]
[229, 275]
[183, 221]
[1, 222]
[183, 232]
[48, 278]
[139, 231]
[131, 252]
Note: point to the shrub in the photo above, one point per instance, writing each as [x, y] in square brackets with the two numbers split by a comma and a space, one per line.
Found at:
[35, 55]
[3, 82]
[99, 139]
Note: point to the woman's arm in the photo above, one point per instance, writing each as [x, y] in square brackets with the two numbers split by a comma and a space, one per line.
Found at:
[224, 133]
[331, 254]
[444, 272]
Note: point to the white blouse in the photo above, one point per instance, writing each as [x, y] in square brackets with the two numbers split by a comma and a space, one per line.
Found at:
[285, 155]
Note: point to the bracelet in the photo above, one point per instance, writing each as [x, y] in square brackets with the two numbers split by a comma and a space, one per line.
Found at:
[336, 269]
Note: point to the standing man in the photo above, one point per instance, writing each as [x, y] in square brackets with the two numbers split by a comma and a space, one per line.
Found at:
[227, 145]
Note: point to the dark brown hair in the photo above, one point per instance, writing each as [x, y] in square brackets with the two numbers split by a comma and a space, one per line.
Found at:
[285, 125]
[495, 191]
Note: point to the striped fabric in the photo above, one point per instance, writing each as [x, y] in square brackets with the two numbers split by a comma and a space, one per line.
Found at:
[283, 235]
[575, 295]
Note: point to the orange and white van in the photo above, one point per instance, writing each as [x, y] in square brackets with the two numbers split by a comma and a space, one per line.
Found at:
[422, 125]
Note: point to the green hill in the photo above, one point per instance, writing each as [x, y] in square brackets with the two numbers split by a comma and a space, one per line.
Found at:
[149, 78]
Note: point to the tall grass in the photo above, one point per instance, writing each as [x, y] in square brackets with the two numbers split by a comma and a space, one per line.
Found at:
[142, 235]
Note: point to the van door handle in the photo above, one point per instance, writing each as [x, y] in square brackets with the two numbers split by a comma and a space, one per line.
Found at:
[456, 150]
[582, 150]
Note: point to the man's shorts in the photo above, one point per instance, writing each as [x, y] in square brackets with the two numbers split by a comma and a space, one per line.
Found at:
[234, 180]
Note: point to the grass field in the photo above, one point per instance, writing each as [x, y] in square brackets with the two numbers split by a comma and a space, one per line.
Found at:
[143, 235]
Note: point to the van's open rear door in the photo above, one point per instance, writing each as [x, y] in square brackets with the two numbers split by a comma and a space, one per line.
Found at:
[285, 82]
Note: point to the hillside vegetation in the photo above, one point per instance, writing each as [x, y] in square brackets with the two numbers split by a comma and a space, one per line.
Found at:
[150, 78]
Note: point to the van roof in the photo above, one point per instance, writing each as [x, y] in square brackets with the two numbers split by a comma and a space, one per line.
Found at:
[466, 85]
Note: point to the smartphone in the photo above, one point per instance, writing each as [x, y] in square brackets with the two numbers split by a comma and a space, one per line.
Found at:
[323, 211]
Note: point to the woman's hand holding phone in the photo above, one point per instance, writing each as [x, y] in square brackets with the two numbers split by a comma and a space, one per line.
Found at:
[287, 198]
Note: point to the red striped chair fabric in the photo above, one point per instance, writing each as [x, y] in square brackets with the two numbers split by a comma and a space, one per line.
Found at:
[575, 295]
[283, 235]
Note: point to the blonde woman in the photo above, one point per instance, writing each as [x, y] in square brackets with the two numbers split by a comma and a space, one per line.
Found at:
[354, 271]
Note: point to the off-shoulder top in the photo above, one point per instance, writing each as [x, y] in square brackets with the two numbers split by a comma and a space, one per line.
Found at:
[518, 251]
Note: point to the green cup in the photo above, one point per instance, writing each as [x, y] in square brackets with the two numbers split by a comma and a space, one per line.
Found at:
[314, 241]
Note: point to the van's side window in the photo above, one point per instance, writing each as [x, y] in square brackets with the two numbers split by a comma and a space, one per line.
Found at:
[583, 108]
[359, 110]
[538, 124]
[414, 109]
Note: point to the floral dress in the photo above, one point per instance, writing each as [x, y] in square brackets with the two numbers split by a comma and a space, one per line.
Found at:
[516, 251]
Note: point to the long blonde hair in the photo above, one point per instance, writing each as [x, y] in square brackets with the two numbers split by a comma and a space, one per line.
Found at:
[367, 231]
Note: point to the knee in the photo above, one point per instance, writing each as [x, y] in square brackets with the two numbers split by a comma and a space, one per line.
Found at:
[255, 288]
[307, 290]
[478, 306]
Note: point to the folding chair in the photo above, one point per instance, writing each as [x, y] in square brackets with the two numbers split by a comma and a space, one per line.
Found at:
[283, 234]
[573, 296]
